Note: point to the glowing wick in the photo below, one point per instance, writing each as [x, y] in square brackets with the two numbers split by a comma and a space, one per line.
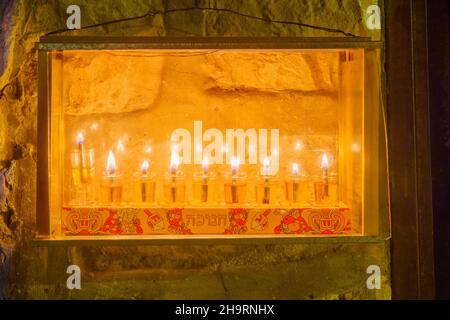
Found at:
[266, 166]
[174, 162]
[205, 164]
[324, 165]
[80, 138]
[144, 167]
[295, 184]
[235, 163]
[295, 169]
[81, 159]
[111, 164]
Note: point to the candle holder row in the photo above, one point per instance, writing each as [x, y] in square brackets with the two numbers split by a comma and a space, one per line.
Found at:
[236, 188]
[204, 183]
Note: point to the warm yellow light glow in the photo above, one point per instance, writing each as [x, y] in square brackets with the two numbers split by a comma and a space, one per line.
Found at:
[209, 123]
[205, 164]
[80, 138]
[295, 169]
[111, 164]
[148, 149]
[235, 163]
[174, 162]
[94, 126]
[266, 166]
[144, 167]
[356, 147]
[324, 165]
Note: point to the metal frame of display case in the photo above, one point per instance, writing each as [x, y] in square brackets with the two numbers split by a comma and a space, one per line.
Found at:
[55, 43]
[135, 42]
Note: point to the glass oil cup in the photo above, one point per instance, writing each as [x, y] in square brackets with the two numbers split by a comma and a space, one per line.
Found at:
[111, 189]
[175, 187]
[82, 176]
[296, 188]
[326, 190]
[145, 188]
[235, 188]
[204, 188]
[266, 190]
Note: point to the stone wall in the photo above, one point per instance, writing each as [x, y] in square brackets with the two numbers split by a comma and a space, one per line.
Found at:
[294, 271]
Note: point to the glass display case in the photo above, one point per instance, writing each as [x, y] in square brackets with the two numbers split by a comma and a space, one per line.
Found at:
[235, 137]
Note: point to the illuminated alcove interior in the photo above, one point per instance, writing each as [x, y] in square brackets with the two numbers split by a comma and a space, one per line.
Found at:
[123, 117]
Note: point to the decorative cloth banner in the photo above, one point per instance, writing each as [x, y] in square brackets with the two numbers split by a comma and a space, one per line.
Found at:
[188, 221]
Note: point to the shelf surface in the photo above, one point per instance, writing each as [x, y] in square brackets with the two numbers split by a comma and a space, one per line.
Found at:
[69, 241]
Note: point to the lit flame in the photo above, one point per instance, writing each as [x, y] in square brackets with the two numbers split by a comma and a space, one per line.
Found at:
[295, 169]
[235, 163]
[80, 138]
[111, 164]
[324, 165]
[144, 167]
[266, 166]
[205, 164]
[174, 162]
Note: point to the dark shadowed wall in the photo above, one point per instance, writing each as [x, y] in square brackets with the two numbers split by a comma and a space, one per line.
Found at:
[439, 83]
[257, 270]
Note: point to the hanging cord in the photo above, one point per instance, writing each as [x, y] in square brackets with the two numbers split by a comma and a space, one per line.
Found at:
[153, 13]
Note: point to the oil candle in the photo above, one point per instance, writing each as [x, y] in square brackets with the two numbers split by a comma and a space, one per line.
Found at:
[266, 185]
[146, 184]
[326, 187]
[204, 184]
[235, 184]
[111, 187]
[175, 182]
[296, 186]
[82, 162]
